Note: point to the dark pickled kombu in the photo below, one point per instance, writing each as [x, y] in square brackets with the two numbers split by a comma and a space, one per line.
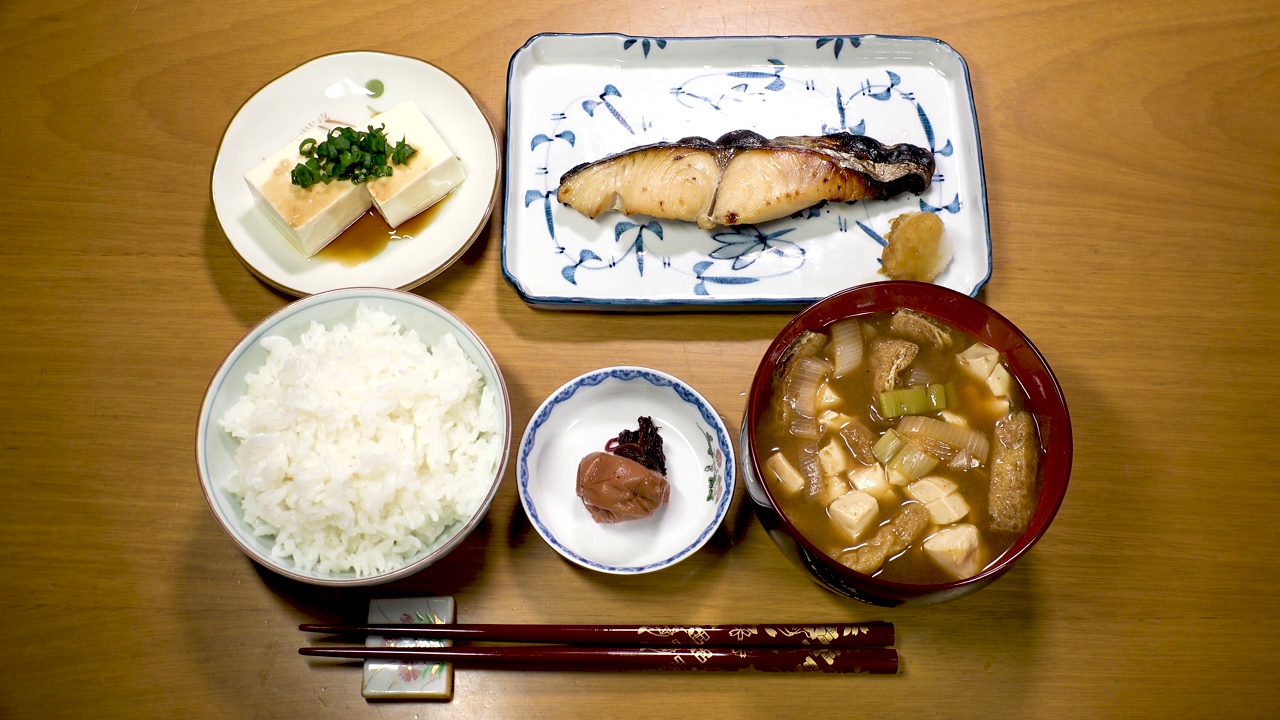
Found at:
[628, 482]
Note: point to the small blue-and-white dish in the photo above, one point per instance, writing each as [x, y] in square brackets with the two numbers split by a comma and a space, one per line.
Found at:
[580, 418]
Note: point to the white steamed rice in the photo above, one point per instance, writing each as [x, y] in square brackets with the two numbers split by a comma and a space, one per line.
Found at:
[360, 445]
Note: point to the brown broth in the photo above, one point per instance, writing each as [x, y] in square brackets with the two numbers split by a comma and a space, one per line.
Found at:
[370, 235]
[811, 517]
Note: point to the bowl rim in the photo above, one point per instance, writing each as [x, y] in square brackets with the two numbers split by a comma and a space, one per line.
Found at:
[707, 411]
[263, 328]
[1059, 442]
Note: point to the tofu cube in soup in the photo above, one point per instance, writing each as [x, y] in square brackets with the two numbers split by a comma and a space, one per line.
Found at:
[872, 480]
[827, 397]
[786, 473]
[947, 510]
[1000, 382]
[833, 459]
[856, 512]
[979, 360]
[929, 489]
[957, 550]
[829, 420]
[828, 488]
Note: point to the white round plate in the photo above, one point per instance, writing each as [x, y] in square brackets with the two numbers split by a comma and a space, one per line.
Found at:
[580, 418]
[335, 89]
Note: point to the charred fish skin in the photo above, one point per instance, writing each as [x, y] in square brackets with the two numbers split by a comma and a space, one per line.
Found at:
[890, 169]
[743, 177]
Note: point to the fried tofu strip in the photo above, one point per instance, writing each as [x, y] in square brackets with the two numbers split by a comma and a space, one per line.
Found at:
[1013, 472]
[860, 440]
[889, 357]
[890, 539]
[919, 328]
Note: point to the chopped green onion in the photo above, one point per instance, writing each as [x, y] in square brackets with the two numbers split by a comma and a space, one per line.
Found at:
[905, 401]
[937, 397]
[917, 400]
[402, 153]
[348, 154]
[888, 445]
[912, 462]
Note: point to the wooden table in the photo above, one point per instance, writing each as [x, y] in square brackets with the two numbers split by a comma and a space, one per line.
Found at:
[1133, 174]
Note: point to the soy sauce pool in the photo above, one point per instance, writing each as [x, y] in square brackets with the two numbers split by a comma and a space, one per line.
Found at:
[370, 235]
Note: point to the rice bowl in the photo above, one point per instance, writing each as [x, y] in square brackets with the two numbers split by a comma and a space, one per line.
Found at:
[353, 437]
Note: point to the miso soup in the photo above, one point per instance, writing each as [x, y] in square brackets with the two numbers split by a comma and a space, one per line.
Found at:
[900, 446]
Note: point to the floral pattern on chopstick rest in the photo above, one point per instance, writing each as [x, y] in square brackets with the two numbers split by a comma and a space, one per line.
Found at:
[393, 680]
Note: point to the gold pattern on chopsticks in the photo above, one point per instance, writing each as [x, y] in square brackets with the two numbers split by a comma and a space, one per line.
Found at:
[702, 655]
[809, 665]
[829, 656]
[696, 635]
[742, 633]
[821, 634]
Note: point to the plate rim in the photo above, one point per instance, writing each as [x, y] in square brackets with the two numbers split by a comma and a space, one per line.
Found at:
[723, 441]
[486, 217]
[570, 302]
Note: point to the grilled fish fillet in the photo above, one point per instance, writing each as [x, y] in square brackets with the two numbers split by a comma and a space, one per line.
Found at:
[744, 178]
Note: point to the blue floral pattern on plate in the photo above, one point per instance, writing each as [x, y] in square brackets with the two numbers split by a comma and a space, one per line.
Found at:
[577, 98]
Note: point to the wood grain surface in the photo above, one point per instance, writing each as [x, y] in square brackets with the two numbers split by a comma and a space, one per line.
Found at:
[1133, 174]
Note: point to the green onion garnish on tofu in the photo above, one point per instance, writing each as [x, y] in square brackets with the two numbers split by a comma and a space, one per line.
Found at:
[348, 154]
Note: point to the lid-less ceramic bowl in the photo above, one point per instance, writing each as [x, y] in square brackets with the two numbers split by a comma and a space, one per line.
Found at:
[216, 449]
[580, 418]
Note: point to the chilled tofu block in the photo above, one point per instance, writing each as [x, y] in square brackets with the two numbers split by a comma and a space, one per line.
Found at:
[928, 489]
[979, 360]
[833, 459]
[855, 511]
[872, 481]
[957, 550]
[309, 218]
[947, 510]
[786, 473]
[430, 173]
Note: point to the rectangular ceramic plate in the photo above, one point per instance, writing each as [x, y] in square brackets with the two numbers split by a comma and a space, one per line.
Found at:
[577, 98]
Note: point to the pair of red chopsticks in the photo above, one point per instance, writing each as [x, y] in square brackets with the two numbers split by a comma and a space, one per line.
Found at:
[832, 647]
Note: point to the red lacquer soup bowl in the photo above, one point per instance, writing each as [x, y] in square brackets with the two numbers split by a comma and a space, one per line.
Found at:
[1044, 402]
